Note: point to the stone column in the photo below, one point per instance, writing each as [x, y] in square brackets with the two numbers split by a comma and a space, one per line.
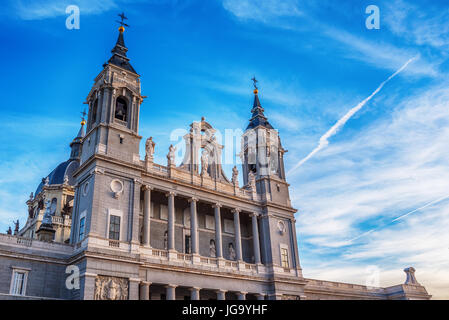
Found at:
[238, 238]
[221, 295]
[171, 221]
[145, 290]
[195, 293]
[218, 239]
[194, 225]
[146, 215]
[171, 291]
[256, 245]
[134, 289]
[241, 295]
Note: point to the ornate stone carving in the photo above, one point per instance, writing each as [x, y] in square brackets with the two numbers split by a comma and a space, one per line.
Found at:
[235, 176]
[111, 288]
[252, 181]
[171, 157]
[204, 163]
[411, 279]
[212, 249]
[16, 229]
[46, 220]
[149, 149]
[232, 255]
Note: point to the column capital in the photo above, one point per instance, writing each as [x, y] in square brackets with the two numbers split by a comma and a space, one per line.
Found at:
[147, 283]
[170, 193]
[254, 214]
[171, 286]
[236, 210]
[195, 288]
[221, 291]
[146, 187]
[217, 205]
[193, 199]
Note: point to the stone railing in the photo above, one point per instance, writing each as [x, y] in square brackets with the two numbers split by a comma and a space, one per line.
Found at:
[159, 170]
[184, 256]
[159, 253]
[207, 260]
[55, 247]
[57, 220]
[341, 285]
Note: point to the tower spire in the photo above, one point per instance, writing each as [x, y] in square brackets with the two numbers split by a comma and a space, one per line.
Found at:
[258, 118]
[75, 145]
[119, 51]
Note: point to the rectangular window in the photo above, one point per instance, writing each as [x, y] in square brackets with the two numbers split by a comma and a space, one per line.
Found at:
[114, 227]
[18, 284]
[82, 226]
[284, 258]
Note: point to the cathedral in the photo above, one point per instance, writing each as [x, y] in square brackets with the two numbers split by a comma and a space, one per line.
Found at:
[108, 225]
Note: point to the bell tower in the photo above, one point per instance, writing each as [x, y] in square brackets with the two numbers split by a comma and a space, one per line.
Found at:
[108, 182]
[263, 156]
[114, 103]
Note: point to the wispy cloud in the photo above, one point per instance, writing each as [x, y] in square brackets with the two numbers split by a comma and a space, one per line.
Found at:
[369, 178]
[262, 10]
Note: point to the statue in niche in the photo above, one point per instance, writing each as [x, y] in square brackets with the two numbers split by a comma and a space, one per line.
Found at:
[232, 255]
[204, 163]
[165, 240]
[171, 157]
[149, 149]
[252, 181]
[212, 249]
[235, 176]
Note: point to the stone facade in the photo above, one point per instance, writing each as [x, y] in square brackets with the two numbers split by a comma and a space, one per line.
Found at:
[142, 230]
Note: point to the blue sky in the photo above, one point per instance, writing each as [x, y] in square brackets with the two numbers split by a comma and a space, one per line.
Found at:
[315, 60]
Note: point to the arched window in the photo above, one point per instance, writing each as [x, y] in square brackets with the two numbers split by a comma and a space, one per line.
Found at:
[93, 117]
[121, 109]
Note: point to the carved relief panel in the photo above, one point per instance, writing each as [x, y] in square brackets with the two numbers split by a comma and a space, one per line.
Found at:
[111, 288]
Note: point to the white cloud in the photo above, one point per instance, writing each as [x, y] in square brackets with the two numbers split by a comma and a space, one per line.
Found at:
[422, 26]
[43, 9]
[262, 10]
[370, 177]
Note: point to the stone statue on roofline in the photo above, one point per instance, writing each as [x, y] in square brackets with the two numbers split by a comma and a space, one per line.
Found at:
[149, 149]
[171, 156]
[204, 163]
[235, 176]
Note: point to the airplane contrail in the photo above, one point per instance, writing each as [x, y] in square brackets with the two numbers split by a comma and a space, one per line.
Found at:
[324, 140]
[400, 218]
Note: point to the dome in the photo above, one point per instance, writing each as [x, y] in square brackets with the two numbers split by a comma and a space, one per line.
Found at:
[57, 175]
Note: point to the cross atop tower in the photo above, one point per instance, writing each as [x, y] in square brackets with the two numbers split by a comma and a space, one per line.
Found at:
[83, 117]
[255, 82]
[123, 18]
